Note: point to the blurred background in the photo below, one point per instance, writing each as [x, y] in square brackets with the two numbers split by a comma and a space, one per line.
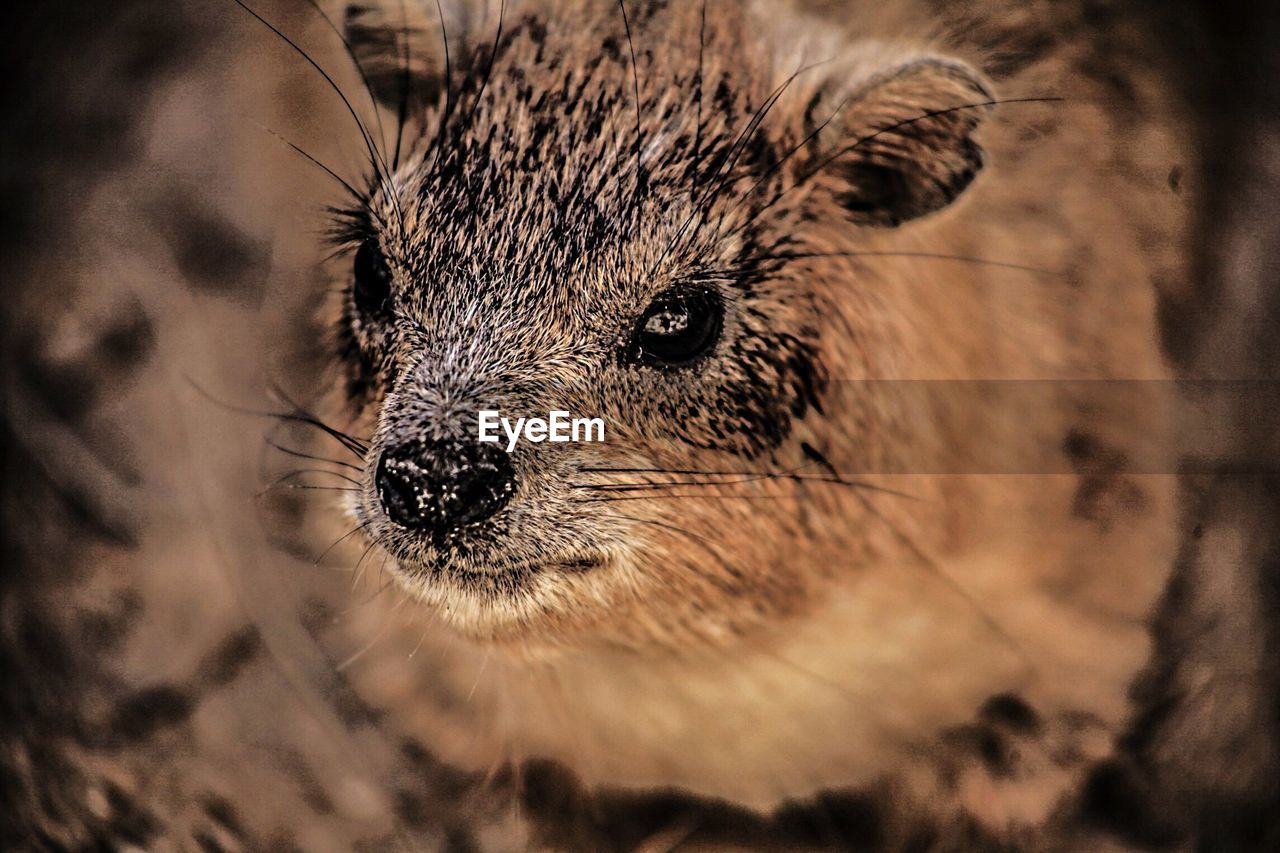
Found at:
[160, 245]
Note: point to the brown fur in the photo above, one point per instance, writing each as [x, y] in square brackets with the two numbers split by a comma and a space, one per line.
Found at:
[776, 663]
[796, 635]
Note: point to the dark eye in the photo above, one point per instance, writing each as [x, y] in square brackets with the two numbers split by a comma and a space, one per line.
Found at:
[372, 278]
[679, 326]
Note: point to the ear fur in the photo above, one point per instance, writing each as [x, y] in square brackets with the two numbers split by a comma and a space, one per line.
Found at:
[905, 146]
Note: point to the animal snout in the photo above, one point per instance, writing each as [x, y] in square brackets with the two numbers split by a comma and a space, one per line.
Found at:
[440, 487]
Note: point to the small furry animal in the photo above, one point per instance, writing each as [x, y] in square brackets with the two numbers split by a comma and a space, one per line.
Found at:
[796, 273]
[898, 539]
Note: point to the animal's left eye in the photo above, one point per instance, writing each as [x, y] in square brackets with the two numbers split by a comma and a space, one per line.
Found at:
[372, 278]
[680, 326]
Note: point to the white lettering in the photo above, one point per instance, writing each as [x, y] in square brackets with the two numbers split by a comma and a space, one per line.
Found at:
[559, 421]
[535, 430]
[587, 425]
[488, 422]
[513, 435]
[558, 427]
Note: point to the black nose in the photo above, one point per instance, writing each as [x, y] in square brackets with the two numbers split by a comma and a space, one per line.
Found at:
[438, 487]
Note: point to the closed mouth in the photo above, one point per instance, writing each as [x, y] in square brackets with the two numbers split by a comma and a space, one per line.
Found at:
[564, 563]
[575, 563]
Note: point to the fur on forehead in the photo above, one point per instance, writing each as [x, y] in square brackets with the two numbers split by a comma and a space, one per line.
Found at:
[573, 117]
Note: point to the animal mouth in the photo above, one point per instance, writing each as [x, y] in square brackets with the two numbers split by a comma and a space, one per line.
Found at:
[567, 563]
[580, 564]
[490, 571]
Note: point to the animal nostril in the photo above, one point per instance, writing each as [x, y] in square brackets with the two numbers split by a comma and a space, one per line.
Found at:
[438, 487]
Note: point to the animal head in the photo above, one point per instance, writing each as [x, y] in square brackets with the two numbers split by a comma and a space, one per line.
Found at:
[648, 214]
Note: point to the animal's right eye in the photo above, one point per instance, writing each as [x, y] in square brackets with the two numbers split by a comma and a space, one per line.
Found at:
[372, 287]
[680, 326]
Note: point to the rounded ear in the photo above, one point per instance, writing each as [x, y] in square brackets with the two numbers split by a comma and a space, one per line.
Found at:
[400, 46]
[903, 143]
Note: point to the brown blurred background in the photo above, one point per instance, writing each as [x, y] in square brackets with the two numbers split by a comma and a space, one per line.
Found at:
[158, 241]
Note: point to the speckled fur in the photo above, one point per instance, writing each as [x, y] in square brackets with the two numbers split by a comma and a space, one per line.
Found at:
[540, 211]
[927, 639]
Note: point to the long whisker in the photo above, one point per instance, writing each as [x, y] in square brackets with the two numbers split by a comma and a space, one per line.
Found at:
[355, 60]
[359, 446]
[352, 532]
[643, 486]
[925, 560]
[300, 455]
[931, 565]
[308, 487]
[688, 471]
[360, 197]
[402, 110]
[355, 445]
[728, 160]
[734, 154]
[853, 146]
[654, 491]
[446, 113]
[741, 477]
[701, 541]
[382, 630]
[830, 481]
[635, 82]
[990, 102]
[930, 256]
[833, 478]
[355, 572]
[493, 58]
[799, 146]
[697, 99]
[664, 497]
[300, 471]
[696, 472]
[375, 158]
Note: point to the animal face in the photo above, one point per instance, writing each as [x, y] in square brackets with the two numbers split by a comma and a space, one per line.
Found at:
[590, 224]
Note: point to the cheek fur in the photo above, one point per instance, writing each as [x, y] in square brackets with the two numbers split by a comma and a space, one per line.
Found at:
[761, 383]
